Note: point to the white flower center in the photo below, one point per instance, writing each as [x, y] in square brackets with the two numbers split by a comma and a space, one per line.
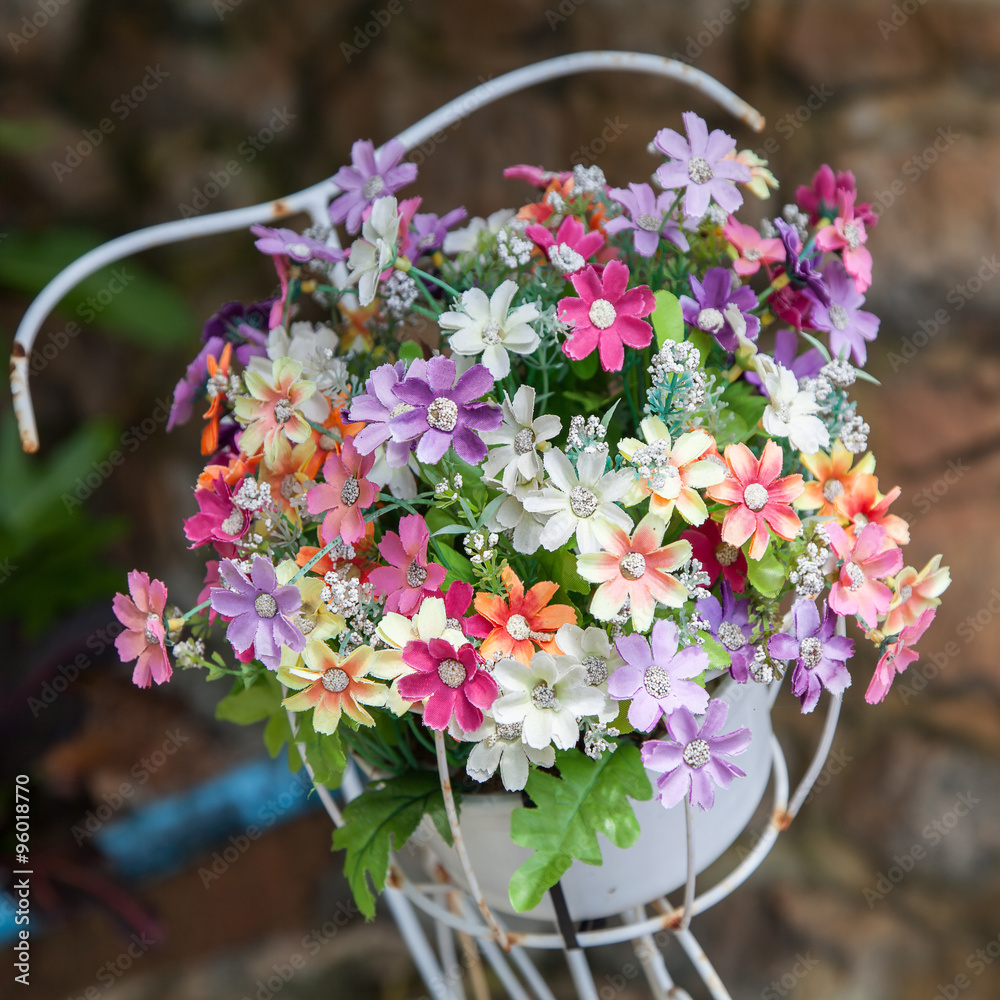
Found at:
[657, 682]
[855, 576]
[755, 496]
[853, 233]
[905, 593]
[760, 670]
[283, 411]
[633, 566]
[452, 673]
[442, 414]
[335, 680]
[832, 489]
[710, 320]
[508, 731]
[838, 316]
[752, 254]
[810, 651]
[726, 554]
[731, 636]
[233, 524]
[304, 623]
[350, 492]
[415, 574]
[565, 259]
[373, 186]
[149, 634]
[602, 314]
[597, 669]
[697, 753]
[288, 485]
[524, 441]
[517, 627]
[860, 520]
[398, 409]
[699, 171]
[542, 696]
[491, 333]
[582, 502]
[298, 250]
[650, 223]
[265, 605]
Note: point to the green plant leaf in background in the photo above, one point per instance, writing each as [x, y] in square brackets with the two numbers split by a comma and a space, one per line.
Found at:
[244, 705]
[588, 797]
[668, 322]
[767, 574]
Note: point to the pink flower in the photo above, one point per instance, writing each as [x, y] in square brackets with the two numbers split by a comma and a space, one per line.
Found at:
[144, 635]
[636, 570]
[218, 518]
[451, 682]
[606, 315]
[760, 499]
[408, 578]
[915, 593]
[858, 590]
[897, 657]
[345, 494]
[569, 249]
[847, 233]
[753, 248]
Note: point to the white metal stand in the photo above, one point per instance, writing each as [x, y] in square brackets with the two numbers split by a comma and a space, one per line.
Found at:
[463, 920]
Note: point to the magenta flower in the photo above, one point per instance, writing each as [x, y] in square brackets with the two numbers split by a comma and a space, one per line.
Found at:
[218, 518]
[820, 199]
[820, 655]
[699, 165]
[847, 323]
[260, 610]
[538, 177]
[606, 315]
[345, 495]
[451, 682]
[897, 657]
[753, 249]
[572, 244]
[144, 635]
[442, 413]
[706, 310]
[377, 407]
[408, 578]
[696, 761]
[847, 234]
[656, 677]
[649, 220]
[368, 178]
[858, 590]
[294, 246]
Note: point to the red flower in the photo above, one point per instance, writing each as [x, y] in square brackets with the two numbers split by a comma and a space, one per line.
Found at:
[717, 556]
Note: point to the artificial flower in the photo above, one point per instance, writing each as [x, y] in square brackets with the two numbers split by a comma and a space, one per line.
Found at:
[374, 252]
[514, 453]
[369, 179]
[761, 179]
[847, 233]
[295, 246]
[914, 593]
[219, 519]
[801, 271]
[409, 577]
[501, 744]
[729, 624]
[571, 246]
[865, 562]
[273, 408]
[378, 405]
[863, 504]
[648, 218]
[752, 248]
[717, 557]
[708, 309]
[512, 516]
[430, 230]
[144, 637]
[848, 325]
[791, 411]
[344, 495]
[898, 655]
[833, 474]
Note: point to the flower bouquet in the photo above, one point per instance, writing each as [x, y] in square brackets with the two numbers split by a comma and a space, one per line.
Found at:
[504, 504]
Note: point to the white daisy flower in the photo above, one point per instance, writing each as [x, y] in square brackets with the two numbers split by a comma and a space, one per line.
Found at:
[579, 500]
[791, 411]
[376, 249]
[511, 516]
[469, 239]
[501, 745]
[514, 447]
[594, 651]
[487, 326]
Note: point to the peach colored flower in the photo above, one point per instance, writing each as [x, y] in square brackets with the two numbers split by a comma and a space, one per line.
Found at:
[865, 562]
[914, 593]
[272, 411]
[833, 474]
[863, 504]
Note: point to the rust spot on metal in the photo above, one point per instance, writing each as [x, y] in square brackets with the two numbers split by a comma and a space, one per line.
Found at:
[395, 879]
[280, 208]
[18, 351]
[782, 819]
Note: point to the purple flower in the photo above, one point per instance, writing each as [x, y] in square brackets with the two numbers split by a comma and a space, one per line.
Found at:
[295, 246]
[706, 310]
[260, 610]
[698, 164]
[695, 761]
[820, 655]
[656, 677]
[804, 365]
[800, 270]
[648, 220]
[369, 177]
[442, 412]
[377, 407]
[234, 316]
[429, 231]
[845, 321]
[729, 624]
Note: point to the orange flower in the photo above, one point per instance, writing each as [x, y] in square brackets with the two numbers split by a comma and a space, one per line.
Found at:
[218, 380]
[291, 468]
[357, 336]
[832, 476]
[524, 620]
[238, 468]
[539, 211]
[863, 504]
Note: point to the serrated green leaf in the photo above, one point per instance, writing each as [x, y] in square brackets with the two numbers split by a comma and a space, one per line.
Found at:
[378, 819]
[766, 575]
[719, 658]
[244, 705]
[588, 797]
[668, 321]
[325, 753]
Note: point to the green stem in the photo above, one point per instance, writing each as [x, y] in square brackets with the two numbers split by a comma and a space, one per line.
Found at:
[194, 611]
[453, 292]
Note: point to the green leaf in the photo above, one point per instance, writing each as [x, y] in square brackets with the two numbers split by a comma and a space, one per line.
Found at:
[744, 400]
[766, 575]
[588, 798]
[590, 401]
[585, 369]
[668, 321]
[458, 566]
[251, 704]
[409, 351]
[719, 658]
[277, 732]
[818, 344]
[381, 817]
[325, 753]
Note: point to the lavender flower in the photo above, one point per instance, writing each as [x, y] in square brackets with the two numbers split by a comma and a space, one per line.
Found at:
[820, 655]
[649, 220]
[706, 310]
[293, 245]
[261, 611]
[695, 761]
[804, 365]
[729, 624]
[442, 412]
[843, 318]
[800, 270]
[378, 406]
[369, 177]
[699, 166]
[429, 230]
[656, 677]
